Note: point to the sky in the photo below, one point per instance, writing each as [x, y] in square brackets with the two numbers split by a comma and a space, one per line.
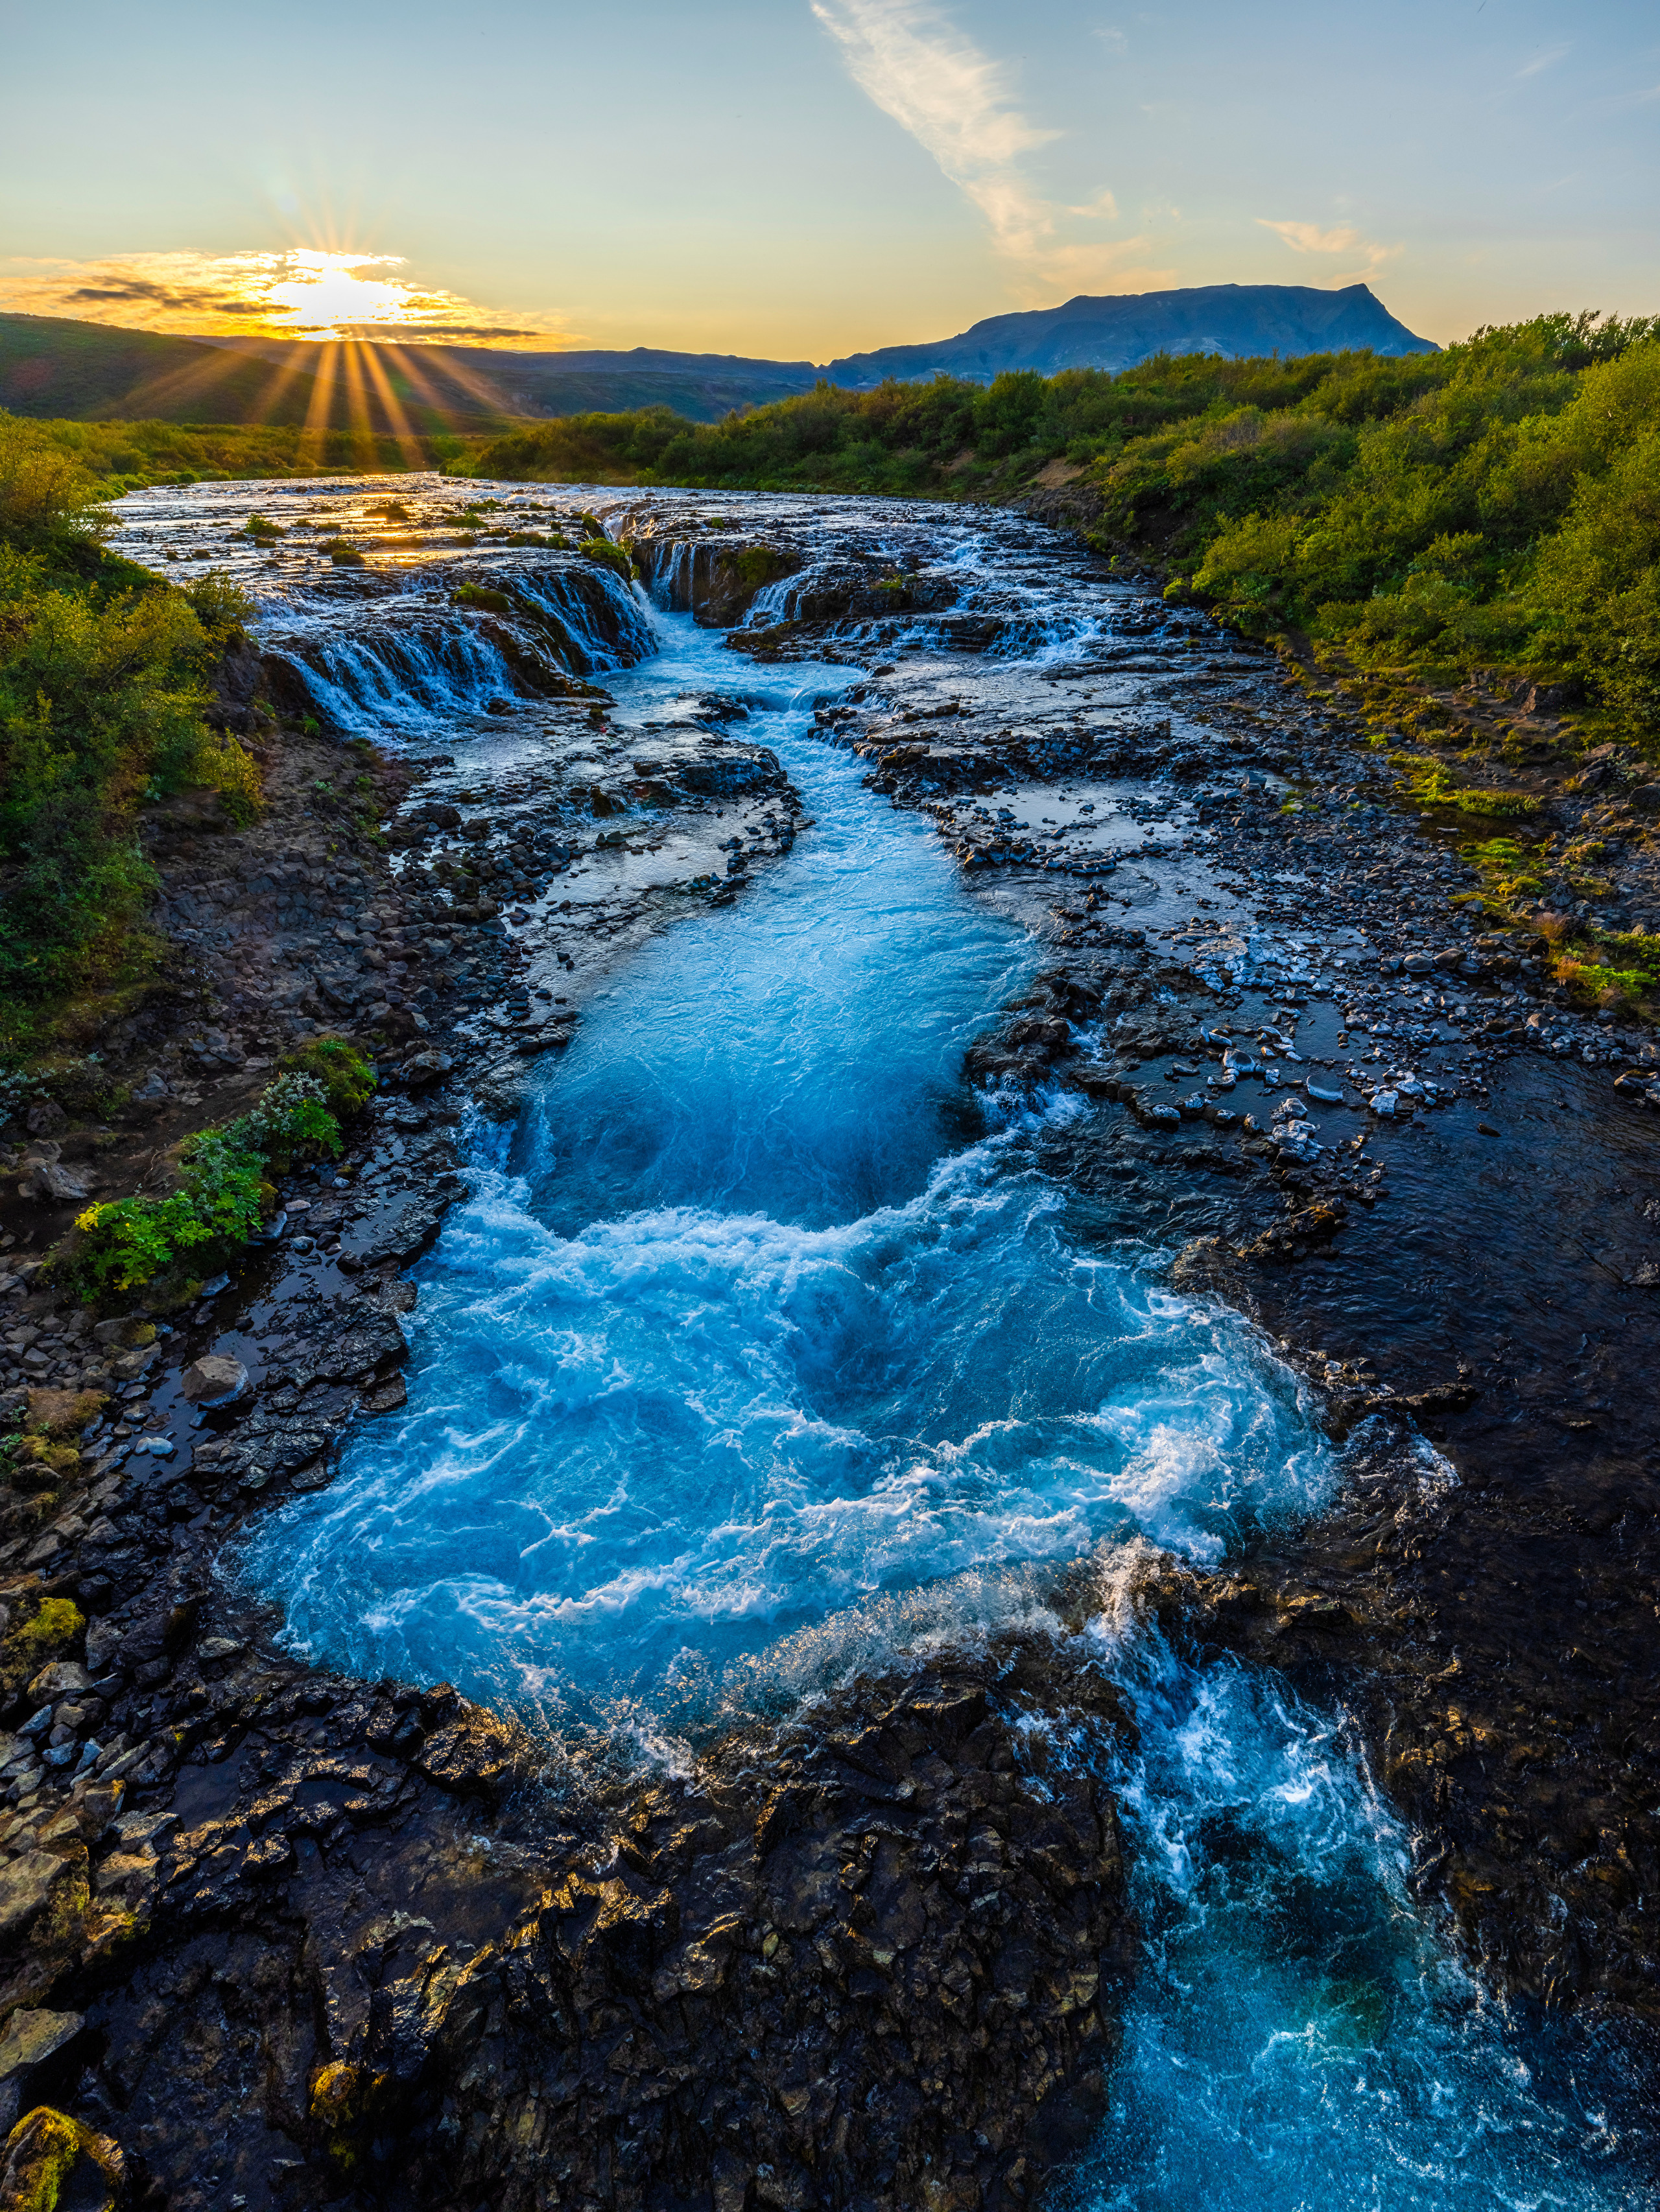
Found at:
[804, 178]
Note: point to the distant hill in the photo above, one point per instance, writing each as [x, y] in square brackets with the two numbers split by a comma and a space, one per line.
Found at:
[1116, 331]
[90, 372]
[467, 381]
[93, 372]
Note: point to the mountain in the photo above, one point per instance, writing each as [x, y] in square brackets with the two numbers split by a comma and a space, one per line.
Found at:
[94, 372]
[1117, 330]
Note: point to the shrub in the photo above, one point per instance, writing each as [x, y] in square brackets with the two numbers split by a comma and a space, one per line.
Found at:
[103, 673]
[224, 1192]
[292, 1121]
[480, 595]
[347, 1079]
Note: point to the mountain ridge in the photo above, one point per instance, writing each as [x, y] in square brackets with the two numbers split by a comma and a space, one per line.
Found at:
[53, 366]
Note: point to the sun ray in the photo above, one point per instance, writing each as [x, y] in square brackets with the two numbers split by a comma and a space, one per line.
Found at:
[322, 399]
[408, 443]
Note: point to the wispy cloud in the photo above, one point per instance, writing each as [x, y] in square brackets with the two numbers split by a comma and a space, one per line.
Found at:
[959, 106]
[1309, 238]
[297, 293]
[954, 100]
[1546, 58]
[1339, 239]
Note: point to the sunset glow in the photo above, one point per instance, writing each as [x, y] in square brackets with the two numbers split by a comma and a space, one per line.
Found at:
[302, 292]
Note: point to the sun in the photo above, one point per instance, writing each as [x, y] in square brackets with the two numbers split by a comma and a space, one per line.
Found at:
[325, 295]
[315, 294]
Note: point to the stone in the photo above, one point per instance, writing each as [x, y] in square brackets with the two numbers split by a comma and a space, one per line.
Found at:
[29, 2038]
[57, 1185]
[50, 2160]
[26, 1883]
[217, 1379]
[60, 1678]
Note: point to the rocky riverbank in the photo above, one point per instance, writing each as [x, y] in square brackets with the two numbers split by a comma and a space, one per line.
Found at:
[1378, 1124]
[277, 1936]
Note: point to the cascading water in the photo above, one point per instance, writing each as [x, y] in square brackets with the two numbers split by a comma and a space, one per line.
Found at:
[738, 1331]
[758, 1354]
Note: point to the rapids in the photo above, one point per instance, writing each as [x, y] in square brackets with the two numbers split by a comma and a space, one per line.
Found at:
[760, 1353]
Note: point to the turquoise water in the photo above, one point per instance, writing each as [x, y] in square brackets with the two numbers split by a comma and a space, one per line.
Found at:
[758, 1318]
[759, 1351]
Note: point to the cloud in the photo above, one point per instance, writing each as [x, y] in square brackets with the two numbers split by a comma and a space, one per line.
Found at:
[1342, 238]
[1546, 58]
[298, 292]
[1062, 271]
[954, 100]
[958, 103]
[1309, 238]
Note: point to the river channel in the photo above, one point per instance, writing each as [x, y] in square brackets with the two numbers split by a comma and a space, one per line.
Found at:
[763, 1351]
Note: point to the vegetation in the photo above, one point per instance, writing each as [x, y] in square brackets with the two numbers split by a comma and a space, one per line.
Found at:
[104, 671]
[1495, 504]
[132, 456]
[54, 1627]
[224, 1190]
[607, 555]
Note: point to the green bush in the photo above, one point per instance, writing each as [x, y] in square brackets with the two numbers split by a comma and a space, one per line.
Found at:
[609, 556]
[347, 1079]
[103, 679]
[481, 596]
[224, 1191]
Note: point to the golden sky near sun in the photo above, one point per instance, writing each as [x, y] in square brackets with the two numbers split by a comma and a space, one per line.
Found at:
[294, 293]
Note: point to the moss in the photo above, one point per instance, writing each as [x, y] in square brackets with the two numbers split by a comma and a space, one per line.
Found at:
[59, 1414]
[760, 564]
[347, 1076]
[343, 2097]
[45, 2149]
[55, 1628]
[480, 596]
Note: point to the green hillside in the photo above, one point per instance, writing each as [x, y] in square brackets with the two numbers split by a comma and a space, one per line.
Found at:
[56, 370]
[53, 367]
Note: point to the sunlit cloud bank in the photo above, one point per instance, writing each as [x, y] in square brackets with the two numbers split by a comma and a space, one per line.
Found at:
[958, 103]
[298, 293]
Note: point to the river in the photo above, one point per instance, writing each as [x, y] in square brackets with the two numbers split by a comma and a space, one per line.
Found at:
[763, 1351]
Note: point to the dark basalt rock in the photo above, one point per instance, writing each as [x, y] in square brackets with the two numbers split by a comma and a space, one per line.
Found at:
[865, 1960]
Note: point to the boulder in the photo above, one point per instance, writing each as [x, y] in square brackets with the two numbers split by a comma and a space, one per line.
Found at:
[63, 1678]
[50, 2160]
[215, 1379]
[27, 2040]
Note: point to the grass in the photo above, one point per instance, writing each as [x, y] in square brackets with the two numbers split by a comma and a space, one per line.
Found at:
[105, 672]
[133, 456]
